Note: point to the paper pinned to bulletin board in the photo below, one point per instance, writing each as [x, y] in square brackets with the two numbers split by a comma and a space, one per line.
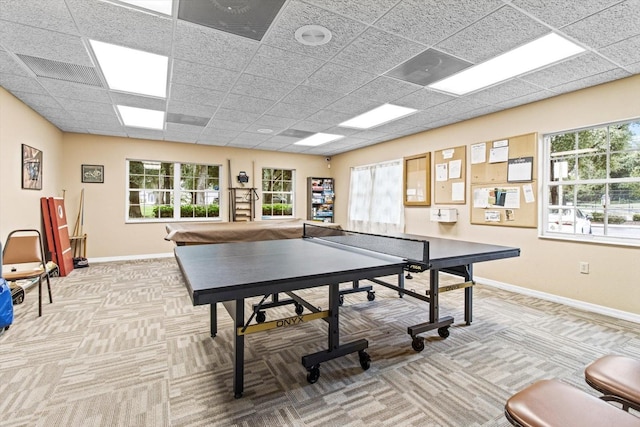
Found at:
[450, 167]
[503, 182]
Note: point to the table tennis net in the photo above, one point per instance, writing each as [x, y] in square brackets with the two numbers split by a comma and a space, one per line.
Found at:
[414, 251]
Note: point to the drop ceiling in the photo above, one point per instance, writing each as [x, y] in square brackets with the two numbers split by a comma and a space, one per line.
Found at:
[246, 81]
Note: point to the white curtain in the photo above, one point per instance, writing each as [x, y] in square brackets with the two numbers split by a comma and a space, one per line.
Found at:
[375, 198]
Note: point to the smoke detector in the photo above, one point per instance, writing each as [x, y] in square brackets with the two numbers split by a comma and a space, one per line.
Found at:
[313, 35]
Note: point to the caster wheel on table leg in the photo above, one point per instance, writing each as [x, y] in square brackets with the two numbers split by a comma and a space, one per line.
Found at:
[371, 295]
[341, 300]
[365, 360]
[443, 332]
[261, 316]
[299, 309]
[314, 374]
[417, 344]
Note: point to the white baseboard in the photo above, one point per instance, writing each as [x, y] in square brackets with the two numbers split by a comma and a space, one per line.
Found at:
[130, 257]
[594, 308]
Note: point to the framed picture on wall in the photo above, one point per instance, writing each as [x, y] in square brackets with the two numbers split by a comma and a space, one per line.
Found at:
[93, 173]
[31, 168]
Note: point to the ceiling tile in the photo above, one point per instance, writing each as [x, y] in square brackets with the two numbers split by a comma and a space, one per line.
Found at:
[329, 117]
[292, 111]
[179, 107]
[14, 84]
[501, 31]
[184, 129]
[431, 21]
[315, 97]
[339, 78]
[616, 23]
[353, 105]
[75, 91]
[51, 14]
[377, 51]
[195, 43]
[199, 75]
[591, 80]
[385, 89]
[144, 133]
[247, 103]
[505, 91]
[35, 100]
[93, 119]
[123, 26]
[366, 11]
[73, 105]
[577, 68]
[297, 14]
[131, 100]
[527, 99]
[196, 95]
[261, 87]
[423, 99]
[47, 44]
[557, 14]
[236, 116]
[9, 65]
[624, 52]
[276, 63]
[227, 125]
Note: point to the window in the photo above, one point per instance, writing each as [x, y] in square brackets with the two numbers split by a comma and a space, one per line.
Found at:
[592, 184]
[162, 190]
[277, 193]
[375, 198]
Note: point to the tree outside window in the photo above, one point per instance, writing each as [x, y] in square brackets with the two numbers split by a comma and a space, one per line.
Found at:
[593, 182]
[164, 190]
[277, 193]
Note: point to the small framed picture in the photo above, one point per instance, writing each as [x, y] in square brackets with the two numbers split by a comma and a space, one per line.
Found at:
[31, 168]
[93, 173]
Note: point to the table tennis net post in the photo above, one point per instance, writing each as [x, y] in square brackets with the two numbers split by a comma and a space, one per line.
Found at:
[416, 252]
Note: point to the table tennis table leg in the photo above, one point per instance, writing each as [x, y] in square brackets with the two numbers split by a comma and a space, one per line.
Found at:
[236, 311]
[468, 296]
[213, 314]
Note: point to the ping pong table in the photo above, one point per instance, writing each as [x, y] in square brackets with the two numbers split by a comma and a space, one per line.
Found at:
[229, 273]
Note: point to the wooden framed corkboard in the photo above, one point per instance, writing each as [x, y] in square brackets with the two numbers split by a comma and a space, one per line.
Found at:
[450, 172]
[504, 182]
[417, 180]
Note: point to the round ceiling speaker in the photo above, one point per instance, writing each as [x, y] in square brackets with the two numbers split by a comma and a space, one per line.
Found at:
[313, 35]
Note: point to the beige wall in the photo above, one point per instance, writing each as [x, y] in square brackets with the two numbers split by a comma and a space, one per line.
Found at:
[104, 212]
[19, 125]
[549, 266]
[544, 265]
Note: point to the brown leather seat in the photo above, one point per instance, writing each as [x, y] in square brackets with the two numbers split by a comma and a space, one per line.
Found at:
[551, 403]
[618, 378]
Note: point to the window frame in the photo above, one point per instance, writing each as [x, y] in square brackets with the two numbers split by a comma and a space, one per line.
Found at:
[574, 208]
[291, 194]
[176, 193]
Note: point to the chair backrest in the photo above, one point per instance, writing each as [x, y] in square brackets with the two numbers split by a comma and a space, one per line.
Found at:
[23, 248]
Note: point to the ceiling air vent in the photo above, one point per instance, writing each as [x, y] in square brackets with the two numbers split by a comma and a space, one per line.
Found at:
[62, 71]
[245, 18]
[184, 119]
[428, 67]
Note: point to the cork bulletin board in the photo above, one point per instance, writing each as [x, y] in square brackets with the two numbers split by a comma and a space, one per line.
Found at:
[504, 182]
[450, 172]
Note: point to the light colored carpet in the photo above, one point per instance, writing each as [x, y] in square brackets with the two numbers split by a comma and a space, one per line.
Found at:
[122, 345]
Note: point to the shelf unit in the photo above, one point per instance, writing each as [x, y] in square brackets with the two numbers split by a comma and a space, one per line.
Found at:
[242, 204]
[321, 199]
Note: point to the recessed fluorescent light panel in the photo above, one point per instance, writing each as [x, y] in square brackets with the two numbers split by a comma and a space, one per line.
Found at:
[539, 53]
[378, 116]
[319, 139]
[141, 117]
[131, 70]
[162, 6]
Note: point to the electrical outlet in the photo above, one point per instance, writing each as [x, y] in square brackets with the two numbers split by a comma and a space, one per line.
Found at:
[584, 267]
